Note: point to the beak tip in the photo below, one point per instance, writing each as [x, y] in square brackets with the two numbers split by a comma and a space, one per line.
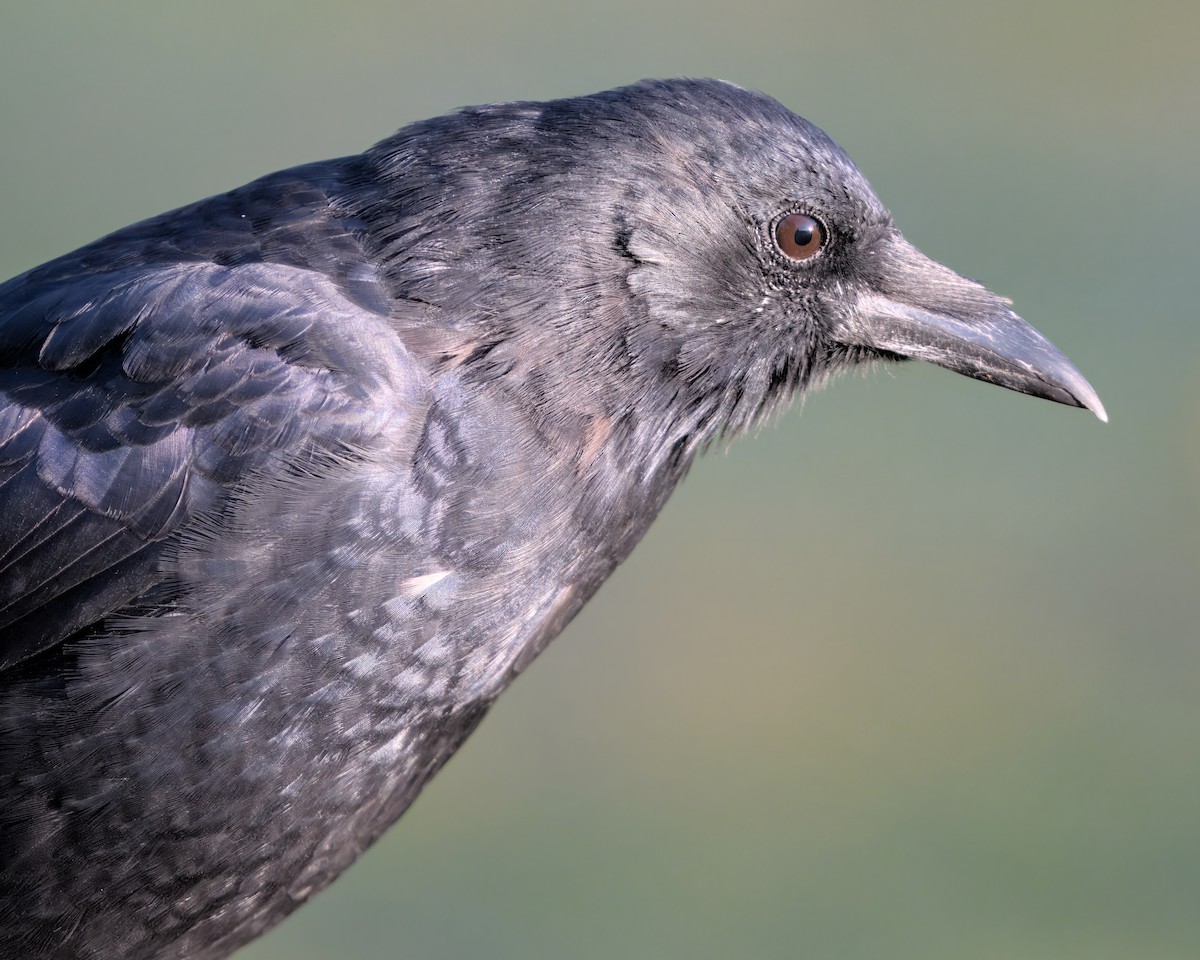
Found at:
[1087, 398]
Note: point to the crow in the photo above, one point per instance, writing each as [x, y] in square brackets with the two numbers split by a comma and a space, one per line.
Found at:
[295, 480]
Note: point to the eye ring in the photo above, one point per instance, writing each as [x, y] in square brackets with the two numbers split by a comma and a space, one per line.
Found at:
[799, 236]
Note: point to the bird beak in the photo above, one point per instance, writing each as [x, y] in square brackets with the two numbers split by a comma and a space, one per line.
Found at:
[917, 308]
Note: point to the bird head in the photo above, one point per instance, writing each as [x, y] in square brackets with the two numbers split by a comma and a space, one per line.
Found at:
[756, 236]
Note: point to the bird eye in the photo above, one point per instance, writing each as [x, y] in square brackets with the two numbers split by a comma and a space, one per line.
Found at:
[799, 236]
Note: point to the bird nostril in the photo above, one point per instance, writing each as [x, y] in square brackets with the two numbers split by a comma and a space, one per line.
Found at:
[799, 236]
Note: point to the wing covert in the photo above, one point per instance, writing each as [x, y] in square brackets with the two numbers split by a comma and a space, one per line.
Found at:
[134, 401]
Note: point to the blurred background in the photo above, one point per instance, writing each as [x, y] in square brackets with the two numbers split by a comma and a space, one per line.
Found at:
[913, 675]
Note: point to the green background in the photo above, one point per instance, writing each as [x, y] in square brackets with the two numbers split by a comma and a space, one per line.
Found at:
[913, 675]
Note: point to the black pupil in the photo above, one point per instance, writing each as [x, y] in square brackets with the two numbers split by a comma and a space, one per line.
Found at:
[804, 235]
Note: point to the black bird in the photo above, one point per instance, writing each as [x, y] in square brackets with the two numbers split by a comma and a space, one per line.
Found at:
[295, 480]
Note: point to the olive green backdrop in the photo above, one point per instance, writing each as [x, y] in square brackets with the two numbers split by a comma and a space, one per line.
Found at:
[913, 675]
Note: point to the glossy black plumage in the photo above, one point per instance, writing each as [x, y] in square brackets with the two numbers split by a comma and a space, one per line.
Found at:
[293, 481]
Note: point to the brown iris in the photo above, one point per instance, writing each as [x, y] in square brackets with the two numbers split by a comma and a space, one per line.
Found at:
[799, 236]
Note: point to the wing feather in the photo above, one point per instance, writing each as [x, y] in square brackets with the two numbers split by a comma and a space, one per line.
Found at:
[134, 402]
